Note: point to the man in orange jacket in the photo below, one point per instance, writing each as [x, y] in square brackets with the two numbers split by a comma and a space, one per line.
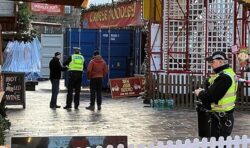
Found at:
[97, 70]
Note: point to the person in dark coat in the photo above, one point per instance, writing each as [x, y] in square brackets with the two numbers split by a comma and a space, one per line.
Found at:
[76, 65]
[55, 76]
[220, 96]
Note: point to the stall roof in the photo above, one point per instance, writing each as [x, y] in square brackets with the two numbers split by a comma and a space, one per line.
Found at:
[45, 23]
[57, 2]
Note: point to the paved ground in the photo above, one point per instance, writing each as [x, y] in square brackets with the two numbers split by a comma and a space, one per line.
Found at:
[127, 116]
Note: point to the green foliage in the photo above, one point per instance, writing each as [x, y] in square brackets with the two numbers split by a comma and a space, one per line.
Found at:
[24, 17]
[25, 30]
[4, 123]
[2, 109]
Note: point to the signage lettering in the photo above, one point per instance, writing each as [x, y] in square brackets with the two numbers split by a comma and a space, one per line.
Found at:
[46, 8]
[10, 79]
[123, 87]
[14, 88]
[116, 13]
[124, 14]
[13, 97]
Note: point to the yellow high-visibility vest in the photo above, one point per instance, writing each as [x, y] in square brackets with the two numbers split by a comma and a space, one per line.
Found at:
[76, 63]
[227, 102]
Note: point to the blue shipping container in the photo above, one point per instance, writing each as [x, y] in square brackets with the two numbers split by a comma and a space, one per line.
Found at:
[115, 46]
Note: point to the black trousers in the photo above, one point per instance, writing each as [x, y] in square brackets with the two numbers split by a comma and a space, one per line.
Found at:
[55, 91]
[222, 125]
[74, 84]
[95, 90]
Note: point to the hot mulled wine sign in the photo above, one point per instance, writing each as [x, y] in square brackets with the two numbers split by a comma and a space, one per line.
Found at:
[14, 87]
[123, 87]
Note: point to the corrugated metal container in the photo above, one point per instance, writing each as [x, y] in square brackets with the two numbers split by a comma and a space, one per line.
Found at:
[50, 43]
[115, 46]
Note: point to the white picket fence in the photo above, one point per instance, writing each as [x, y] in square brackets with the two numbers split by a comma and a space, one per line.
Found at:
[236, 142]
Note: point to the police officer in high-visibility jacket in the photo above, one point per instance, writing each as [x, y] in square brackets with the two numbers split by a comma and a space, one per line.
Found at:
[76, 65]
[220, 95]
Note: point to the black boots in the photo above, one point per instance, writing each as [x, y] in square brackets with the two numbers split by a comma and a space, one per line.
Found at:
[92, 108]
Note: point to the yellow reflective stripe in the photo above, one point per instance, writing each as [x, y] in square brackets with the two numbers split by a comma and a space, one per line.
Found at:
[223, 109]
[223, 106]
[78, 61]
[227, 102]
[78, 66]
[227, 95]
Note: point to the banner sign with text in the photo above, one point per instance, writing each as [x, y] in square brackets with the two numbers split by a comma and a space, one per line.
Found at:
[121, 15]
[123, 87]
[39, 8]
[14, 87]
[77, 3]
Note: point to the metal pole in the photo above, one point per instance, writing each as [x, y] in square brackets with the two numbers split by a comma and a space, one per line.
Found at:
[244, 25]
[139, 68]
[206, 37]
[70, 39]
[100, 41]
[168, 38]
[235, 33]
[149, 52]
[244, 30]
[161, 27]
[109, 67]
[136, 51]
[79, 35]
[187, 36]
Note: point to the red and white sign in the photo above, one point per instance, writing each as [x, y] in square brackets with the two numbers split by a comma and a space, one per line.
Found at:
[47, 8]
[123, 87]
[121, 15]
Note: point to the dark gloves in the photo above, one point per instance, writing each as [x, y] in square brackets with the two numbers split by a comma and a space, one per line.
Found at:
[65, 68]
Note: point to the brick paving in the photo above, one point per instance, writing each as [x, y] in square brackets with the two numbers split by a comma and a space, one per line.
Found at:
[126, 116]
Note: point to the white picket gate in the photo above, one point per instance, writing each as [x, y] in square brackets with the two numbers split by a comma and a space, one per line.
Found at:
[236, 142]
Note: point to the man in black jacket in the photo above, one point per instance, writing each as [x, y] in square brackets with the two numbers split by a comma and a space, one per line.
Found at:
[220, 96]
[55, 76]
